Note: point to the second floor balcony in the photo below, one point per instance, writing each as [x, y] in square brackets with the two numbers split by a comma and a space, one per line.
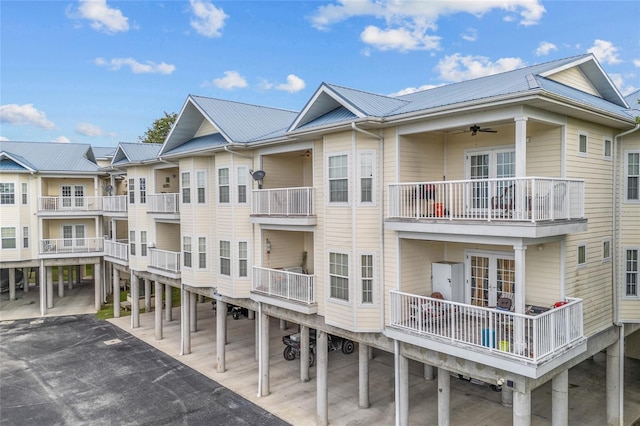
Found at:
[117, 251]
[165, 262]
[67, 247]
[286, 288]
[56, 205]
[163, 204]
[284, 205]
[114, 205]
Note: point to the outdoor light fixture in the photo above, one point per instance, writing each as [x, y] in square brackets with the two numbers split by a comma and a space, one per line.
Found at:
[268, 246]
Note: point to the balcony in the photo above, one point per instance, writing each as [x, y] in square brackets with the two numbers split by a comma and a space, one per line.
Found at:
[285, 288]
[528, 344]
[115, 205]
[531, 207]
[55, 205]
[69, 247]
[283, 206]
[165, 206]
[164, 262]
[117, 251]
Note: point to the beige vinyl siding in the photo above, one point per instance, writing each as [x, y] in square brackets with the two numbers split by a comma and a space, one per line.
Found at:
[416, 258]
[573, 77]
[458, 145]
[542, 274]
[422, 158]
[51, 187]
[629, 310]
[285, 170]
[168, 237]
[206, 128]
[162, 185]
[544, 150]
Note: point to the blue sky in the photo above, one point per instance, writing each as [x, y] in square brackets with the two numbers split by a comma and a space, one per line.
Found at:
[101, 72]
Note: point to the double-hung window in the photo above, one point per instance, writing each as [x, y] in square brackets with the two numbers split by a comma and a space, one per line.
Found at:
[366, 265]
[366, 169]
[339, 276]
[143, 242]
[132, 243]
[242, 259]
[143, 190]
[186, 187]
[201, 181]
[25, 237]
[25, 193]
[223, 185]
[7, 193]
[186, 251]
[339, 179]
[225, 257]
[132, 191]
[632, 168]
[241, 180]
[582, 144]
[202, 252]
[8, 238]
[632, 272]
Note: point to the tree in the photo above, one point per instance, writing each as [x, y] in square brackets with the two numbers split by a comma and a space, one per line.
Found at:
[161, 127]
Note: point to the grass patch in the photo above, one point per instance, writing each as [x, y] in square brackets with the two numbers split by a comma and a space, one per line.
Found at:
[106, 312]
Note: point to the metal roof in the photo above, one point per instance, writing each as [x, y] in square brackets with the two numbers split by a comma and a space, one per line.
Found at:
[104, 151]
[128, 153]
[52, 156]
[198, 144]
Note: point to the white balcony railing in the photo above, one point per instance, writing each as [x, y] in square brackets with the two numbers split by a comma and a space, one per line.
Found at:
[288, 285]
[71, 245]
[165, 260]
[163, 203]
[114, 203]
[521, 336]
[69, 204]
[117, 249]
[283, 202]
[531, 199]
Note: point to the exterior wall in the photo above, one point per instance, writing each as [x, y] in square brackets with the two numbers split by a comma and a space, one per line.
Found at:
[166, 180]
[573, 77]
[284, 171]
[544, 150]
[137, 213]
[52, 186]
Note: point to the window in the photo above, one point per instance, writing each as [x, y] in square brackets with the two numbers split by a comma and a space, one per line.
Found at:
[242, 184]
[366, 261]
[633, 175]
[225, 258]
[366, 177]
[582, 144]
[132, 243]
[186, 188]
[143, 191]
[202, 252]
[143, 242]
[223, 185]
[242, 259]
[25, 193]
[201, 180]
[606, 250]
[582, 255]
[132, 191]
[186, 251]
[25, 237]
[8, 238]
[339, 276]
[631, 273]
[607, 149]
[338, 179]
[7, 193]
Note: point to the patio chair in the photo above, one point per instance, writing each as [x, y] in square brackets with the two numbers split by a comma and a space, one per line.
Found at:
[504, 304]
[504, 201]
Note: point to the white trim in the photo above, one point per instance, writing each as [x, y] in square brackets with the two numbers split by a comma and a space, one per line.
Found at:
[604, 241]
[624, 271]
[219, 185]
[206, 192]
[373, 177]
[626, 176]
[604, 148]
[586, 255]
[584, 153]
[328, 155]
[374, 280]
[349, 277]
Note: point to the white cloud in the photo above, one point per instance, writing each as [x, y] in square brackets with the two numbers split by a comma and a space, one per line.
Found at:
[103, 18]
[231, 80]
[24, 114]
[407, 22]
[458, 68]
[88, 129]
[2, 138]
[409, 90]
[605, 51]
[61, 139]
[619, 81]
[136, 67]
[544, 48]
[294, 84]
[208, 20]
[636, 62]
[471, 34]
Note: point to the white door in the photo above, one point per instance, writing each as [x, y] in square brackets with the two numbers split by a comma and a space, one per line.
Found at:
[491, 276]
[484, 165]
[73, 236]
[72, 196]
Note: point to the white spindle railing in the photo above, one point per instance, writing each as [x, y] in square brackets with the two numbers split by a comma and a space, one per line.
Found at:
[288, 285]
[517, 199]
[117, 249]
[163, 203]
[71, 245]
[517, 335]
[114, 203]
[67, 204]
[165, 260]
[283, 202]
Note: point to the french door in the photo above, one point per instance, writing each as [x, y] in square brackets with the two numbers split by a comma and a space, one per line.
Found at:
[489, 164]
[72, 196]
[491, 276]
[73, 236]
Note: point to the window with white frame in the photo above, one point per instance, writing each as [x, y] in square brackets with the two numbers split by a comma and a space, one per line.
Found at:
[25, 193]
[186, 187]
[202, 252]
[143, 190]
[132, 243]
[632, 272]
[606, 250]
[241, 180]
[143, 242]
[186, 251]
[25, 237]
[582, 144]
[607, 149]
[225, 257]
[223, 185]
[339, 179]
[132, 191]
[242, 259]
[201, 186]
[366, 179]
[339, 276]
[582, 255]
[8, 237]
[7, 193]
[366, 266]
[632, 168]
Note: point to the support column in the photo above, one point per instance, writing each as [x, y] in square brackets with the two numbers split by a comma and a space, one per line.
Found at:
[257, 340]
[265, 388]
[12, 284]
[403, 384]
[521, 408]
[135, 301]
[158, 313]
[560, 399]
[168, 309]
[116, 293]
[322, 390]
[613, 379]
[363, 375]
[193, 312]
[147, 295]
[305, 353]
[506, 396]
[97, 284]
[444, 397]
[60, 282]
[429, 372]
[520, 346]
[185, 314]
[26, 273]
[43, 289]
[49, 287]
[221, 335]
[283, 324]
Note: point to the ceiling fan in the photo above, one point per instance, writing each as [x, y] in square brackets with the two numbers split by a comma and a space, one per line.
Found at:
[475, 129]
